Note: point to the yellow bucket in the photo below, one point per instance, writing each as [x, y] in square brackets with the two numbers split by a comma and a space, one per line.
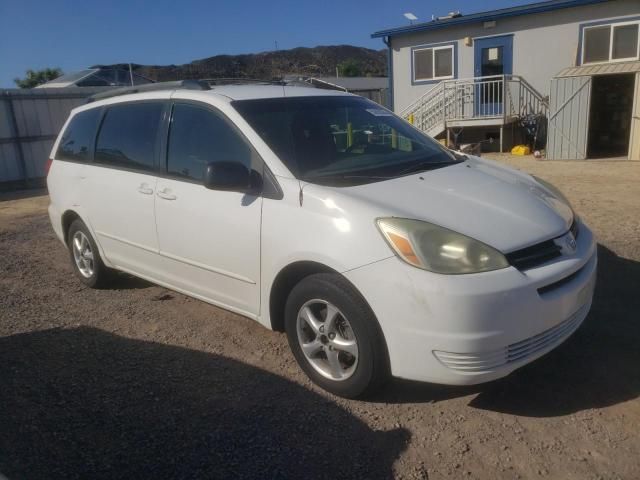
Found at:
[520, 150]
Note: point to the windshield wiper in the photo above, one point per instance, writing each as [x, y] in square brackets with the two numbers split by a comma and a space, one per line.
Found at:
[347, 177]
[459, 155]
[416, 167]
[423, 166]
[379, 177]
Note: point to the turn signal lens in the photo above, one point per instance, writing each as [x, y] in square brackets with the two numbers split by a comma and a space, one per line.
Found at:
[403, 246]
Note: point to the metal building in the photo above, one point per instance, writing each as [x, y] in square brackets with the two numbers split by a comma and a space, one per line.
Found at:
[594, 112]
[373, 88]
[97, 77]
[30, 120]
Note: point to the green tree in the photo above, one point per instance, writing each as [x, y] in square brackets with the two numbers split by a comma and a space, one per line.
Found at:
[34, 78]
[350, 68]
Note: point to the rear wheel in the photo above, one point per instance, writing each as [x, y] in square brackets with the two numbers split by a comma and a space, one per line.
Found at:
[85, 256]
[335, 337]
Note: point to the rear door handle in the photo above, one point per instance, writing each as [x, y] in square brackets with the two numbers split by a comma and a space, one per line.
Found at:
[145, 188]
[166, 194]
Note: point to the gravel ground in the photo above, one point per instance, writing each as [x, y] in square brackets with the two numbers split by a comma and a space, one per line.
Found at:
[141, 382]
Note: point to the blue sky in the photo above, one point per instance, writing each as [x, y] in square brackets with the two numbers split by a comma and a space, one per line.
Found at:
[74, 35]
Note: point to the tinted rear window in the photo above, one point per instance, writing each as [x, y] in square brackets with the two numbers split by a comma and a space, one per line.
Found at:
[128, 136]
[77, 139]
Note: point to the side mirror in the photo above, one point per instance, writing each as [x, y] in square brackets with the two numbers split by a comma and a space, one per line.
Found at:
[232, 177]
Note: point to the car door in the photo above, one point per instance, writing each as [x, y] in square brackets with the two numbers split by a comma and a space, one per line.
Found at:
[72, 157]
[209, 240]
[120, 185]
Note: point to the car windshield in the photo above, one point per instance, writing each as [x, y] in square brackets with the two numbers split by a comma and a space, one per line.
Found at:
[342, 140]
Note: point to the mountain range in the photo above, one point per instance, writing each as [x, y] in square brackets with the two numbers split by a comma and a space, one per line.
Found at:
[316, 61]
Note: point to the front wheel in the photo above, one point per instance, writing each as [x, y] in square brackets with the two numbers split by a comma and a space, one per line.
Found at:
[335, 337]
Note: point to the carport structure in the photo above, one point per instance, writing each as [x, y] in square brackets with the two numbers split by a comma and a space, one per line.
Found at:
[594, 112]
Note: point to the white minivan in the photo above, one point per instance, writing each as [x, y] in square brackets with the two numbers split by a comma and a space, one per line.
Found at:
[322, 214]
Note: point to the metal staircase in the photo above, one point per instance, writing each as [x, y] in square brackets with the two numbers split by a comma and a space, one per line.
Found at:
[477, 101]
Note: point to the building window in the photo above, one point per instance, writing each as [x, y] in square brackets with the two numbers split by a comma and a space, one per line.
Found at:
[433, 63]
[625, 42]
[607, 43]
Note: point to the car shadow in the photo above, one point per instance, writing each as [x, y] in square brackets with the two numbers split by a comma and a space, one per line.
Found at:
[595, 368]
[84, 403]
[124, 281]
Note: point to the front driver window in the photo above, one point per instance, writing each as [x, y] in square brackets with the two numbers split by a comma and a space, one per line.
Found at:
[198, 136]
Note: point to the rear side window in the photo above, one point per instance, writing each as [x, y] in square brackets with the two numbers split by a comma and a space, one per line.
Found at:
[199, 136]
[128, 136]
[77, 140]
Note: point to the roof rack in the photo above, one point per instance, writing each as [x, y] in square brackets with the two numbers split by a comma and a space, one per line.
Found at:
[152, 87]
[242, 81]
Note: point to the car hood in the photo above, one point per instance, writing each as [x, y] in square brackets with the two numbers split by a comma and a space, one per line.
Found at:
[490, 202]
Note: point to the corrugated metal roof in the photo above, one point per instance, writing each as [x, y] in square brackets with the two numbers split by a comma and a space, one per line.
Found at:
[539, 7]
[347, 83]
[600, 69]
[358, 83]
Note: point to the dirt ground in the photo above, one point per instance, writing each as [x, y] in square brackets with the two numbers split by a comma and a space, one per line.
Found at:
[140, 382]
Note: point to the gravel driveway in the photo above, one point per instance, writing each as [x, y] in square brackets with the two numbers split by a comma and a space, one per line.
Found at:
[141, 382]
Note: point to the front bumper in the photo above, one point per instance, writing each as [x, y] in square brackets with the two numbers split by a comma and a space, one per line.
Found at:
[469, 329]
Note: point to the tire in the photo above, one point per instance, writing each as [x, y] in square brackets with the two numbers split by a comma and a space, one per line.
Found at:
[331, 361]
[85, 257]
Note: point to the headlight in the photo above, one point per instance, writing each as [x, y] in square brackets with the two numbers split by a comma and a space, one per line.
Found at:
[438, 249]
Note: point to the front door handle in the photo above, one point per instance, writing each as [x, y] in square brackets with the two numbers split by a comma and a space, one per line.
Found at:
[145, 189]
[166, 194]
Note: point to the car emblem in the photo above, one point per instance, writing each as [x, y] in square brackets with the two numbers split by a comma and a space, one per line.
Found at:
[567, 244]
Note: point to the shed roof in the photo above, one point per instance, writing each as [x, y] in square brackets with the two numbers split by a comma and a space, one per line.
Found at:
[600, 69]
[530, 8]
[357, 83]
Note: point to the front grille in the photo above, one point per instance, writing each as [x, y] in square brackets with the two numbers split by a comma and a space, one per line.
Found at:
[485, 361]
[538, 254]
[534, 255]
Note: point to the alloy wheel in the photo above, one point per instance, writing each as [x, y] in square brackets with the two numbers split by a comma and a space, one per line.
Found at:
[327, 340]
[83, 254]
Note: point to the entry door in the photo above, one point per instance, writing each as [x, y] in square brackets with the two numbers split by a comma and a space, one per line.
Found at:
[120, 185]
[493, 58]
[568, 124]
[209, 239]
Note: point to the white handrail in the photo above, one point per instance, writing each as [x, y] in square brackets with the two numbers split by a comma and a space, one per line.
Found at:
[475, 97]
[403, 113]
